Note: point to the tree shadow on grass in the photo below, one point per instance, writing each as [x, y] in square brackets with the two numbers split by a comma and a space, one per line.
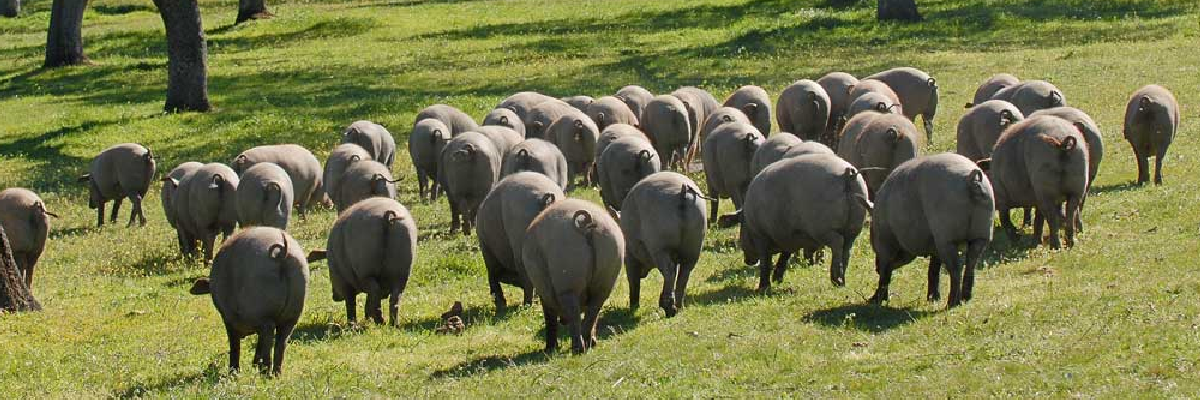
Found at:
[866, 317]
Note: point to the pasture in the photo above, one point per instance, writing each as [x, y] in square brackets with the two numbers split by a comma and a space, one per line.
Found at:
[1118, 315]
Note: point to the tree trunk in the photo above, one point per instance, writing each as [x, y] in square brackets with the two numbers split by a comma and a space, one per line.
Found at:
[14, 295]
[10, 8]
[252, 9]
[898, 10]
[187, 55]
[64, 39]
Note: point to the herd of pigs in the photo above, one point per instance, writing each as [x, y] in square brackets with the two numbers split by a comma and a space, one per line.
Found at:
[847, 149]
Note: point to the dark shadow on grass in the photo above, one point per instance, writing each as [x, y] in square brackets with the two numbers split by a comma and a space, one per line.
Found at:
[1004, 249]
[1115, 188]
[410, 3]
[310, 332]
[472, 314]
[75, 231]
[725, 295]
[208, 377]
[866, 317]
[122, 9]
[487, 364]
[156, 265]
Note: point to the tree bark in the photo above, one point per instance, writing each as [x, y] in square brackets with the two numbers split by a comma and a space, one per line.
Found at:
[64, 39]
[187, 56]
[14, 295]
[252, 9]
[898, 10]
[10, 8]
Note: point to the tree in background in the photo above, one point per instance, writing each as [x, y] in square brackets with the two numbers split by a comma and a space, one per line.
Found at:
[187, 56]
[64, 39]
[252, 9]
[14, 295]
[10, 8]
[898, 10]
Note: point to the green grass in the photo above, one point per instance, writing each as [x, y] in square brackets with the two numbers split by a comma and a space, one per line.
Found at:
[1117, 316]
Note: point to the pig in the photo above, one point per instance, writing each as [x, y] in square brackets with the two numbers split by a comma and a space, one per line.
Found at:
[579, 102]
[371, 250]
[536, 155]
[543, 115]
[930, 206]
[468, 167]
[503, 137]
[206, 204]
[918, 93]
[169, 188]
[625, 162]
[454, 118]
[635, 97]
[727, 163]
[837, 86]
[803, 109]
[258, 283]
[576, 135]
[300, 164]
[885, 143]
[609, 110]
[989, 87]
[373, 138]
[981, 126]
[755, 104]
[722, 116]
[666, 121]
[572, 253]
[871, 102]
[425, 146]
[339, 161]
[1151, 120]
[119, 172]
[522, 103]
[26, 223]
[1031, 96]
[363, 180]
[803, 203]
[505, 117]
[1040, 162]
[772, 150]
[503, 217]
[663, 220]
[264, 196]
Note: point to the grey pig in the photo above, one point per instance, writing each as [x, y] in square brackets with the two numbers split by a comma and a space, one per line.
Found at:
[871, 101]
[874, 85]
[579, 102]
[522, 103]
[722, 116]
[505, 117]
[543, 115]
[363, 180]
[665, 121]
[1030, 96]
[119, 172]
[930, 206]
[425, 146]
[503, 217]
[301, 165]
[918, 93]
[989, 87]
[772, 150]
[339, 161]
[803, 203]
[536, 155]
[609, 110]
[837, 86]
[727, 164]
[469, 166]
[373, 138]
[886, 142]
[575, 134]
[454, 118]
[664, 223]
[803, 109]
[169, 188]
[1040, 162]
[1151, 120]
[264, 196]
[258, 283]
[635, 97]
[981, 126]
[206, 204]
[502, 136]
[625, 162]
[371, 250]
[572, 253]
[753, 101]
[23, 216]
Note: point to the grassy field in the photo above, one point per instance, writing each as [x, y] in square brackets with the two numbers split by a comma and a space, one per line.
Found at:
[1116, 316]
